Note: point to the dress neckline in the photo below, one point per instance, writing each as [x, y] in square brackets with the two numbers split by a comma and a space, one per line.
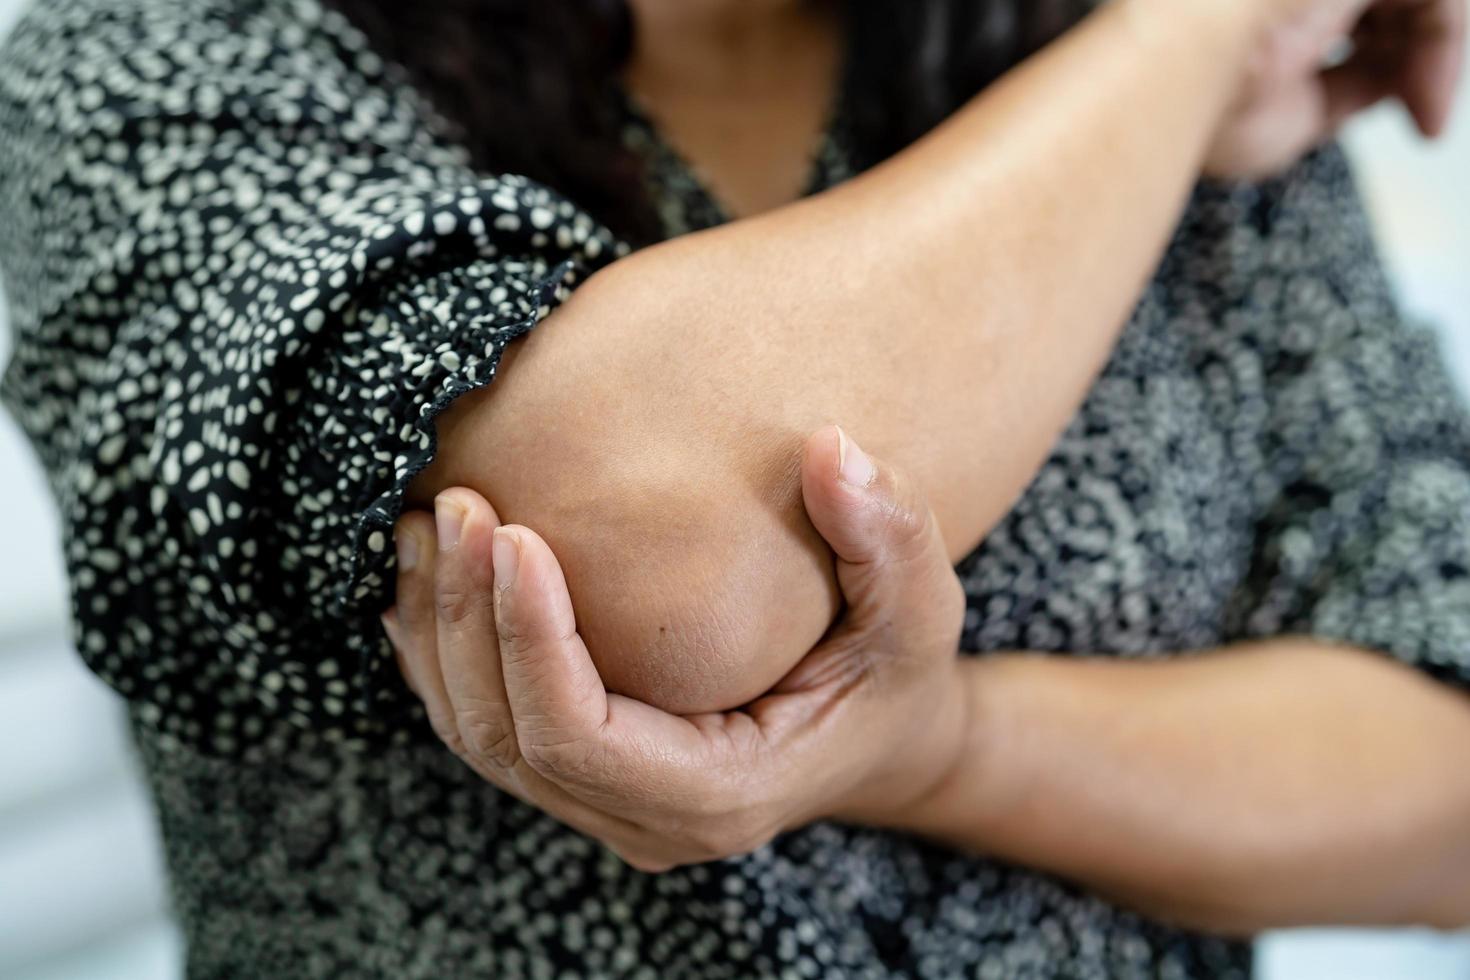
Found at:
[683, 196]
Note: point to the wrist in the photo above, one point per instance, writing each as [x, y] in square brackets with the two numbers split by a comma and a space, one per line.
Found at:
[953, 756]
[982, 780]
[1220, 36]
[1229, 24]
[928, 756]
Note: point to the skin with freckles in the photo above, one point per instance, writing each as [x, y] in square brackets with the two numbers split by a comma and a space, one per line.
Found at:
[660, 417]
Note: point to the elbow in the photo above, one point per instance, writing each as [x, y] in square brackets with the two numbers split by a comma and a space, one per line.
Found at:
[704, 612]
[696, 578]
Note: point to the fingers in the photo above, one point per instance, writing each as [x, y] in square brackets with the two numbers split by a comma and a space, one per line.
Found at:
[1432, 75]
[616, 773]
[632, 763]
[1415, 49]
[497, 717]
[465, 628]
[891, 560]
[514, 737]
[446, 641]
[1347, 90]
[622, 756]
[411, 622]
[559, 702]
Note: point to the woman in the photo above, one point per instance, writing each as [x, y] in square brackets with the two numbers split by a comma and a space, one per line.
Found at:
[260, 286]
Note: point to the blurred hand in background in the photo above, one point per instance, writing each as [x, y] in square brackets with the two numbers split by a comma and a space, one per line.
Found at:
[1320, 62]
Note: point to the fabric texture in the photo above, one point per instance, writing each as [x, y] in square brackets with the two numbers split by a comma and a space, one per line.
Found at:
[246, 269]
[268, 279]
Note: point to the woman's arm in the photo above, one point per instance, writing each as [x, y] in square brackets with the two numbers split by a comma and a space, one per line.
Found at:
[485, 636]
[1265, 785]
[951, 305]
[1282, 783]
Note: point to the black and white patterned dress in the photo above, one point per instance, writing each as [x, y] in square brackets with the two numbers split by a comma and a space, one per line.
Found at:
[246, 270]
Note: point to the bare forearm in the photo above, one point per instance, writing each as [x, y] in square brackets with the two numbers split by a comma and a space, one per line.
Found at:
[953, 305]
[1283, 783]
[1001, 256]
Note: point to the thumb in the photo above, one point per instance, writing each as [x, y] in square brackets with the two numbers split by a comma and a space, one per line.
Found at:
[837, 484]
[891, 559]
[865, 510]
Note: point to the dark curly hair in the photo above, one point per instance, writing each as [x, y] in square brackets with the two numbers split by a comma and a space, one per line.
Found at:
[526, 82]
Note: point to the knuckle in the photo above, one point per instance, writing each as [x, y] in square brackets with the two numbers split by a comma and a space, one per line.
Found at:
[449, 734]
[555, 757]
[733, 835]
[454, 605]
[515, 641]
[488, 732]
[412, 612]
[412, 602]
[489, 737]
[907, 520]
[906, 529]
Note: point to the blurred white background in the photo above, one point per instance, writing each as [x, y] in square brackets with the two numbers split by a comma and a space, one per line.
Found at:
[81, 892]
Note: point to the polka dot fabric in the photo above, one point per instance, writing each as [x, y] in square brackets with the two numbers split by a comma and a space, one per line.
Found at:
[244, 278]
[247, 268]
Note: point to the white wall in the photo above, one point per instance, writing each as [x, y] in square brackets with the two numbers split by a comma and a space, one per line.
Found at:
[82, 896]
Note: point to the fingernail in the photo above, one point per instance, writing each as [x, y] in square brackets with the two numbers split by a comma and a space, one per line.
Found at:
[390, 624]
[853, 465]
[408, 550]
[449, 519]
[506, 556]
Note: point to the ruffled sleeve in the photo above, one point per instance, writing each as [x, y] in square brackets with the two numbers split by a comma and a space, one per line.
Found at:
[245, 274]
